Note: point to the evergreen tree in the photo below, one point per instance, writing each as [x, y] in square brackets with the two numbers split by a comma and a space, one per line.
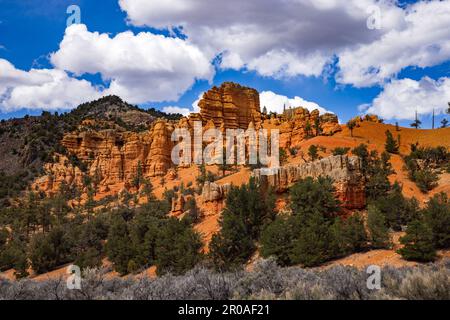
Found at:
[264, 110]
[50, 250]
[313, 152]
[283, 157]
[391, 144]
[351, 125]
[317, 126]
[309, 197]
[248, 210]
[363, 153]
[277, 239]
[339, 151]
[119, 246]
[148, 190]
[233, 245]
[397, 210]
[312, 246]
[138, 177]
[144, 231]
[87, 243]
[437, 217]
[376, 224]
[14, 256]
[417, 123]
[377, 186]
[418, 243]
[193, 211]
[253, 205]
[308, 129]
[177, 248]
[444, 123]
[426, 180]
[347, 236]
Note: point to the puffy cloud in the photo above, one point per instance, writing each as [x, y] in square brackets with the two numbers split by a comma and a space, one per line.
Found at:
[401, 98]
[275, 38]
[140, 68]
[185, 111]
[174, 109]
[275, 103]
[41, 89]
[195, 106]
[280, 38]
[422, 41]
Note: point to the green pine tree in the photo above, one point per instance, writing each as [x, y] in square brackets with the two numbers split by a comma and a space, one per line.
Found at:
[437, 217]
[312, 247]
[379, 233]
[418, 243]
[310, 196]
[277, 239]
[347, 236]
[119, 247]
[177, 248]
[444, 123]
[351, 125]
[317, 126]
[313, 152]
[248, 210]
[233, 245]
[391, 145]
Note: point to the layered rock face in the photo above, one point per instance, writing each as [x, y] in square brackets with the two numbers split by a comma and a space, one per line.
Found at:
[213, 192]
[231, 106]
[60, 172]
[297, 124]
[345, 172]
[115, 156]
[367, 118]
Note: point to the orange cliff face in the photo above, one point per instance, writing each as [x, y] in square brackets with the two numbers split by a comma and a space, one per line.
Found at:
[112, 157]
[231, 107]
[296, 125]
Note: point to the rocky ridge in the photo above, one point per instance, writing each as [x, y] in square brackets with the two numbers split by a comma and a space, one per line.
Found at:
[345, 172]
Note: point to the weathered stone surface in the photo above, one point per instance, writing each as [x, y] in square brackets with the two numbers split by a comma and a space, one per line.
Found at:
[345, 172]
[329, 124]
[59, 172]
[214, 192]
[178, 203]
[297, 124]
[367, 118]
[231, 106]
[115, 156]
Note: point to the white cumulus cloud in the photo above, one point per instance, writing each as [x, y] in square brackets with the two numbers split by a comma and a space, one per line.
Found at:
[140, 68]
[285, 38]
[48, 89]
[276, 102]
[422, 41]
[400, 99]
[273, 37]
[175, 109]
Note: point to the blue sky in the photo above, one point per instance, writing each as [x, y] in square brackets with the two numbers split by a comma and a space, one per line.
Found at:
[316, 65]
